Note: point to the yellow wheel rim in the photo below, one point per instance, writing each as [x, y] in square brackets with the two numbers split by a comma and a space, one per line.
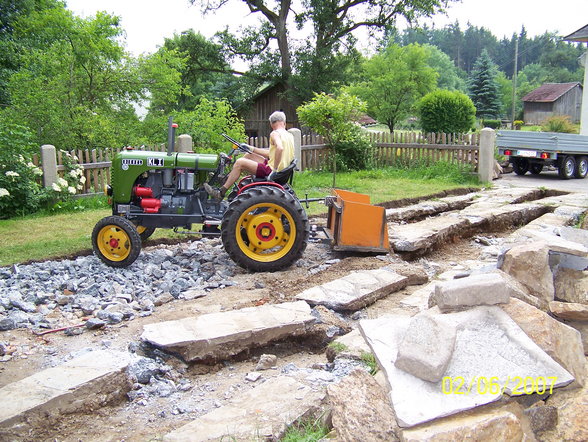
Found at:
[265, 232]
[113, 243]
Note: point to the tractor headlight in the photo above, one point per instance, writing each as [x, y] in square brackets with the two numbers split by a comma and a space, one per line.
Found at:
[107, 190]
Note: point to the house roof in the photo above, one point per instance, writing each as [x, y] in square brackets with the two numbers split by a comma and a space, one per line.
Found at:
[580, 35]
[549, 92]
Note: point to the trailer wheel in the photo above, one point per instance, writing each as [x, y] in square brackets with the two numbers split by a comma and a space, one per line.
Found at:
[581, 167]
[115, 241]
[567, 167]
[536, 168]
[520, 166]
[265, 229]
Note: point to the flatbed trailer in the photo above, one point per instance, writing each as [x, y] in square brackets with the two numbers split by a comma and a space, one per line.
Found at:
[532, 151]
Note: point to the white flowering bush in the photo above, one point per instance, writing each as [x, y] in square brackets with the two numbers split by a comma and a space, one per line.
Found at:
[20, 188]
[73, 178]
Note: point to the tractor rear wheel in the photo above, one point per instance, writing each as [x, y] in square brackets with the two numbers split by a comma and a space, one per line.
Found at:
[115, 241]
[265, 229]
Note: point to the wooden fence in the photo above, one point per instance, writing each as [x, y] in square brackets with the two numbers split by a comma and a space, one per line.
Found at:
[399, 149]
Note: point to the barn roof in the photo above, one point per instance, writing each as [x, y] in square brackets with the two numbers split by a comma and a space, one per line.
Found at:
[549, 92]
[580, 35]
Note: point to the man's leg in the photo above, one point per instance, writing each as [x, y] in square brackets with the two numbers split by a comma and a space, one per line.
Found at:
[247, 163]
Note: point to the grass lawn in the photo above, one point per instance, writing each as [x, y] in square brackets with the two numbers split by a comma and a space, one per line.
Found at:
[41, 237]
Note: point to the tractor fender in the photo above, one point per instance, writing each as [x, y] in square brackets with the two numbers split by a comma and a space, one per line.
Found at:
[260, 183]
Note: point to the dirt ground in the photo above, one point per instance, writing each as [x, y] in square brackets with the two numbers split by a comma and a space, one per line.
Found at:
[206, 386]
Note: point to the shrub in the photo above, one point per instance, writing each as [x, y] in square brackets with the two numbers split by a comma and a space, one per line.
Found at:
[355, 152]
[20, 190]
[447, 112]
[558, 123]
[492, 124]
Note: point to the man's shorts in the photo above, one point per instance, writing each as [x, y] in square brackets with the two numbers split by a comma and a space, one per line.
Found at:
[263, 170]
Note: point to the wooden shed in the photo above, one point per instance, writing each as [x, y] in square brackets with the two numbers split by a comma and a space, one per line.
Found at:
[553, 99]
[270, 98]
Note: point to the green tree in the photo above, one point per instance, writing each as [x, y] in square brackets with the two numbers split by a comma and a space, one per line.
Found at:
[333, 22]
[447, 112]
[483, 87]
[77, 86]
[448, 75]
[335, 119]
[394, 81]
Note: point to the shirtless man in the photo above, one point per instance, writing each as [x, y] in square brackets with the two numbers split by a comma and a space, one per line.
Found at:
[261, 162]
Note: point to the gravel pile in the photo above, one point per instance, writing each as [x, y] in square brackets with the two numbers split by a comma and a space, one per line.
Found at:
[86, 287]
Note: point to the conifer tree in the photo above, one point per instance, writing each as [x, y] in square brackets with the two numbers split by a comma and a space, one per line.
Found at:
[483, 87]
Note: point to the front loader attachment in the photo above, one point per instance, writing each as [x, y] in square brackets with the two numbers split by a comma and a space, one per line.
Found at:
[353, 224]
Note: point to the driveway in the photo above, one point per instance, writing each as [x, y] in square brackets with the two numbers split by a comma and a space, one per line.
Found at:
[547, 179]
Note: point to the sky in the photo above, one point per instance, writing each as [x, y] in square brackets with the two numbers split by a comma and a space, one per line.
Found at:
[148, 22]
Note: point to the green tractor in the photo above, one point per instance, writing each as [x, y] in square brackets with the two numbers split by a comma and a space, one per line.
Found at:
[262, 224]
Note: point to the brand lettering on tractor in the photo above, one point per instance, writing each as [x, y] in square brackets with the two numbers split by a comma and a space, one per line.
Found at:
[155, 162]
[132, 162]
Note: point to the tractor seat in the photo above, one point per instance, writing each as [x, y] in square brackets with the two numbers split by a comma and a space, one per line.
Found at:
[285, 175]
[282, 177]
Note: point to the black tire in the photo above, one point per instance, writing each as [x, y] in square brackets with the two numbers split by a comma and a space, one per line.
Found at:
[536, 168]
[145, 232]
[265, 229]
[567, 167]
[115, 241]
[520, 166]
[581, 167]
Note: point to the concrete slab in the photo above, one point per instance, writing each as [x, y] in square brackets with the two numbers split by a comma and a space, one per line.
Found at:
[356, 290]
[219, 335]
[80, 385]
[571, 199]
[488, 345]
[262, 413]
[420, 298]
[554, 242]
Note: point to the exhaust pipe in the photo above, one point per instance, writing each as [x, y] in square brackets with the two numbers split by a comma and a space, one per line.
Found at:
[171, 140]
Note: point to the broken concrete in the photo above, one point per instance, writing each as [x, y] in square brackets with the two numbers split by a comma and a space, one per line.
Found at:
[262, 413]
[582, 327]
[559, 341]
[83, 384]
[488, 345]
[425, 234]
[569, 310]
[419, 300]
[529, 264]
[427, 347]
[356, 290]
[220, 335]
[482, 289]
[361, 411]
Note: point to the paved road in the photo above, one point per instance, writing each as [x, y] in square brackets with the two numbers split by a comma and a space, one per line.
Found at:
[548, 179]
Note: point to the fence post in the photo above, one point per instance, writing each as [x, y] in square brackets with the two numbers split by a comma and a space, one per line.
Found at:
[184, 143]
[297, 145]
[49, 165]
[486, 156]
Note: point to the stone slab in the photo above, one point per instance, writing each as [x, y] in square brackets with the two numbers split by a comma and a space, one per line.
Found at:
[481, 289]
[571, 311]
[356, 290]
[262, 413]
[494, 424]
[554, 242]
[427, 347]
[79, 385]
[571, 199]
[559, 341]
[219, 335]
[425, 234]
[488, 344]
[419, 298]
[361, 410]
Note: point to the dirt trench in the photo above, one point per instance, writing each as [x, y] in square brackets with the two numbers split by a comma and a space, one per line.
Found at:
[213, 384]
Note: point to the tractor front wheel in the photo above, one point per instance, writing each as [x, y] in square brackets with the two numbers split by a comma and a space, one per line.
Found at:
[115, 241]
[265, 229]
